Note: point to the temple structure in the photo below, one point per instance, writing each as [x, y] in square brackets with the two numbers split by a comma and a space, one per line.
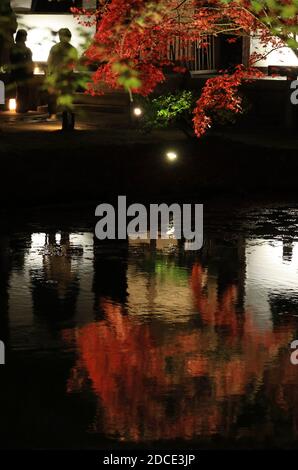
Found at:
[43, 18]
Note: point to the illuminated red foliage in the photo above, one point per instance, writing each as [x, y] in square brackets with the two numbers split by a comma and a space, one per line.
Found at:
[130, 47]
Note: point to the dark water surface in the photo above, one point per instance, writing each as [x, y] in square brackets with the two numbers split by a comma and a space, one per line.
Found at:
[111, 344]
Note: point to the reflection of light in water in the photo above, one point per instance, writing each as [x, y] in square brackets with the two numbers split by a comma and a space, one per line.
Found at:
[143, 238]
[38, 243]
[269, 273]
[161, 244]
[164, 289]
[171, 230]
[58, 238]
[265, 262]
[83, 239]
[38, 240]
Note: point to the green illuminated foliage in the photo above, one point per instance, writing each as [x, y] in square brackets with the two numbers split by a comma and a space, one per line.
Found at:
[169, 109]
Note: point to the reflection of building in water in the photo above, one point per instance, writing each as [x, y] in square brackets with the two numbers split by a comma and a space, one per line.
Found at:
[50, 281]
[283, 304]
[13, 251]
[110, 272]
[5, 271]
[157, 280]
[270, 277]
[226, 263]
[55, 284]
[287, 251]
[180, 379]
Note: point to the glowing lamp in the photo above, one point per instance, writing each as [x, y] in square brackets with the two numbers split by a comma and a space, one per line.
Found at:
[38, 70]
[137, 112]
[172, 156]
[12, 104]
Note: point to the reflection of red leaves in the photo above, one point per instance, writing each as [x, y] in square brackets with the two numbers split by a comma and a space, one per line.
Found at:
[232, 40]
[134, 367]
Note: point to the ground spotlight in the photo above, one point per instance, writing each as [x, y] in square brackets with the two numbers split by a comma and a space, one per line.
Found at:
[12, 104]
[171, 155]
[137, 112]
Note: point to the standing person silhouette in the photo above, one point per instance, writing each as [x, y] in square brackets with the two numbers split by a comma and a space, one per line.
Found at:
[22, 71]
[8, 27]
[61, 64]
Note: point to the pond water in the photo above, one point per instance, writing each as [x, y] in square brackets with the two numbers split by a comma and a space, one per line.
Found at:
[112, 344]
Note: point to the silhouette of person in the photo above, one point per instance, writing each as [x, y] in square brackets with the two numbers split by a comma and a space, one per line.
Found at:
[8, 27]
[22, 70]
[62, 60]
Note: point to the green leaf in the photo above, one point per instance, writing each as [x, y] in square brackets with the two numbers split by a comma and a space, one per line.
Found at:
[288, 11]
[257, 6]
[65, 101]
[292, 43]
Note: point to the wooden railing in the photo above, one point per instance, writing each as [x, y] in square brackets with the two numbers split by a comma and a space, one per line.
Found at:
[193, 55]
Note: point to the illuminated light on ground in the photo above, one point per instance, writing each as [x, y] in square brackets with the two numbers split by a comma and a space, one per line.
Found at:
[171, 156]
[12, 104]
[38, 70]
[138, 112]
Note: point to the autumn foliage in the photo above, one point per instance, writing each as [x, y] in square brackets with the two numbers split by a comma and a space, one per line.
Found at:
[136, 370]
[131, 44]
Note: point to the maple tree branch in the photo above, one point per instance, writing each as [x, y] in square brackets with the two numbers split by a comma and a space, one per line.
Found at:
[180, 5]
